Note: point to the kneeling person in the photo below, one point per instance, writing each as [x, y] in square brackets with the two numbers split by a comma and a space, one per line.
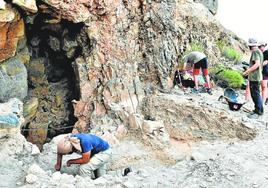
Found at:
[95, 153]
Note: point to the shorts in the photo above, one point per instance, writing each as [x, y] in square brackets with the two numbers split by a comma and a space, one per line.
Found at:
[203, 63]
[265, 77]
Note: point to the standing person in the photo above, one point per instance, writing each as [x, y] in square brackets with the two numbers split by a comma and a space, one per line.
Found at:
[95, 153]
[197, 60]
[262, 47]
[254, 73]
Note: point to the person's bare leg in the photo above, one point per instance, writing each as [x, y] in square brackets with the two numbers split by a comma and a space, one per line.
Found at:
[196, 81]
[264, 90]
[196, 73]
[247, 94]
[208, 81]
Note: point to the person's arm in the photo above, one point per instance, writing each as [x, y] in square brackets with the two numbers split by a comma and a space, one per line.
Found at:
[265, 62]
[252, 68]
[58, 164]
[84, 159]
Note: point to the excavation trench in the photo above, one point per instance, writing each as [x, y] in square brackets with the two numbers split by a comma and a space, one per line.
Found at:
[185, 120]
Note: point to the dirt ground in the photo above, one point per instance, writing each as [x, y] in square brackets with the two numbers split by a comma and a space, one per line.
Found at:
[220, 162]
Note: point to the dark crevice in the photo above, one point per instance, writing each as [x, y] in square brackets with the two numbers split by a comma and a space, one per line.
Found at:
[51, 78]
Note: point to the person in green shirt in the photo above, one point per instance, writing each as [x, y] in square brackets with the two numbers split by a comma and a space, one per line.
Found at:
[254, 73]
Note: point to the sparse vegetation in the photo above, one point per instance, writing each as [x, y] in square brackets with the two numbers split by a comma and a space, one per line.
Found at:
[221, 44]
[232, 54]
[226, 77]
[229, 52]
[197, 47]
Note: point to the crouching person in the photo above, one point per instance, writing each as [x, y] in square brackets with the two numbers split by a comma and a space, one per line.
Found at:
[95, 153]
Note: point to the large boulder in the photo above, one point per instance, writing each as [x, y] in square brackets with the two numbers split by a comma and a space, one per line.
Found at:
[11, 31]
[28, 5]
[13, 79]
[11, 117]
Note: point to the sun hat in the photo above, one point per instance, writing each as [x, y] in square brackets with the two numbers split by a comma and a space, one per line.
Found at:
[66, 144]
[262, 43]
[252, 42]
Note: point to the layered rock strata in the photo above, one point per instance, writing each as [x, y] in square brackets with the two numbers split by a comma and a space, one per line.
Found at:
[115, 52]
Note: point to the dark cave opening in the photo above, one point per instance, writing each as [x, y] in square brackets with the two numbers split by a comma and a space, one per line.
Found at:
[51, 78]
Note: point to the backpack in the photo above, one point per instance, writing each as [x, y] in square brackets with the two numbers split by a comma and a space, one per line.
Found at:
[179, 79]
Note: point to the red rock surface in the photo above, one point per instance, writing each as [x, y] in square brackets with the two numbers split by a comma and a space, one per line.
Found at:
[80, 10]
[11, 30]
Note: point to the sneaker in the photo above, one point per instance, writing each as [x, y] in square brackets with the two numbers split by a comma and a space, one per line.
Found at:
[209, 91]
[252, 112]
[253, 116]
[266, 102]
[194, 91]
[202, 90]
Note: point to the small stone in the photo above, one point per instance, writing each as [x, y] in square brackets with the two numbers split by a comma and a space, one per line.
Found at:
[249, 125]
[35, 150]
[68, 179]
[2, 5]
[65, 185]
[35, 169]
[19, 183]
[135, 121]
[121, 131]
[255, 185]
[56, 176]
[150, 126]
[30, 178]
[128, 184]
[28, 5]
[100, 181]
[198, 156]
[110, 138]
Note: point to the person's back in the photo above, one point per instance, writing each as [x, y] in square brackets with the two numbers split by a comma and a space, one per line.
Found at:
[90, 142]
[194, 57]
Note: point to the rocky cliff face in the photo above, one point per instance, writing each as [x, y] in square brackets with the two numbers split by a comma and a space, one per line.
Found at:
[212, 5]
[107, 55]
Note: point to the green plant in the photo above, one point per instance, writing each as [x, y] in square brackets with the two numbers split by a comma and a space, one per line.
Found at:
[233, 78]
[226, 77]
[232, 54]
[197, 47]
[229, 52]
[221, 45]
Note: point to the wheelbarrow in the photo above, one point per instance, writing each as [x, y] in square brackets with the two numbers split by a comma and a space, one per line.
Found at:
[231, 98]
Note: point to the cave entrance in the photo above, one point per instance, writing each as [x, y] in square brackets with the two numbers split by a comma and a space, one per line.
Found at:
[51, 78]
